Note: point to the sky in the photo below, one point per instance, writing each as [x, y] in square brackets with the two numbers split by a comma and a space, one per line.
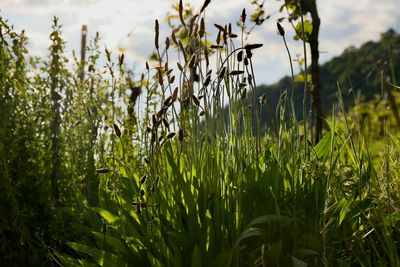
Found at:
[129, 24]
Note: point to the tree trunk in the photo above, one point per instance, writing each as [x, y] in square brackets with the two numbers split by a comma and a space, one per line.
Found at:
[317, 115]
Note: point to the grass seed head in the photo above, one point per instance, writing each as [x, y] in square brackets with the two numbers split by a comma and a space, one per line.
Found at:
[180, 135]
[180, 10]
[117, 130]
[157, 30]
[167, 43]
[175, 94]
[165, 122]
[143, 179]
[206, 3]
[281, 31]
[222, 73]
[240, 56]
[202, 28]
[171, 135]
[103, 170]
[243, 16]
[196, 100]
[262, 99]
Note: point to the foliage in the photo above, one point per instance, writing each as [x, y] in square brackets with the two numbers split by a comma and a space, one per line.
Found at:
[92, 178]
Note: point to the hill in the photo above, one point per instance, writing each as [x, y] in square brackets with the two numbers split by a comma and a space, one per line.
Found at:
[359, 72]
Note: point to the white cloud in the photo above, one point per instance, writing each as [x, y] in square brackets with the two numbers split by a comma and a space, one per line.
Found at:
[344, 23]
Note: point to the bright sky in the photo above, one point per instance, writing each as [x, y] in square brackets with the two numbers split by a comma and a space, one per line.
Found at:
[130, 23]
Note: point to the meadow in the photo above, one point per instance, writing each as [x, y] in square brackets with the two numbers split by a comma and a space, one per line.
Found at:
[173, 167]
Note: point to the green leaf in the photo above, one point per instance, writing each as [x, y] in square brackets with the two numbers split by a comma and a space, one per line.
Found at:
[115, 243]
[223, 259]
[265, 219]
[308, 28]
[108, 216]
[103, 258]
[345, 204]
[196, 257]
[323, 148]
[298, 263]
[395, 86]
[300, 78]
[251, 232]
[273, 253]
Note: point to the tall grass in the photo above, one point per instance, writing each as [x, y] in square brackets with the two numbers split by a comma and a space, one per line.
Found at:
[184, 180]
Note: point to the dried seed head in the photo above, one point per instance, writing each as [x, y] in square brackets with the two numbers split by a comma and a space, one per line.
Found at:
[167, 44]
[171, 80]
[202, 113]
[157, 29]
[206, 3]
[222, 73]
[219, 27]
[179, 66]
[236, 72]
[249, 54]
[159, 76]
[154, 119]
[121, 60]
[108, 54]
[218, 38]
[202, 28]
[192, 26]
[206, 55]
[196, 100]
[103, 170]
[117, 130]
[246, 61]
[262, 100]
[173, 36]
[147, 66]
[171, 135]
[252, 46]
[192, 61]
[281, 31]
[148, 129]
[175, 95]
[167, 101]
[143, 179]
[147, 161]
[181, 13]
[216, 46]
[225, 35]
[180, 135]
[208, 80]
[243, 16]
[166, 124]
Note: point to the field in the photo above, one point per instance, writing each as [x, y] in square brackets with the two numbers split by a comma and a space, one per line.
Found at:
[177, 168]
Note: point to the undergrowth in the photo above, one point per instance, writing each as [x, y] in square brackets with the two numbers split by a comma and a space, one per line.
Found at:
[103, 169]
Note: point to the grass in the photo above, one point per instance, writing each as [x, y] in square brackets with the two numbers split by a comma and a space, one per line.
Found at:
[92, 178]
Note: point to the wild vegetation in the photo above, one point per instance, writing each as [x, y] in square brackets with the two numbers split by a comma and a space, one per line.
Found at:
[100, 168]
